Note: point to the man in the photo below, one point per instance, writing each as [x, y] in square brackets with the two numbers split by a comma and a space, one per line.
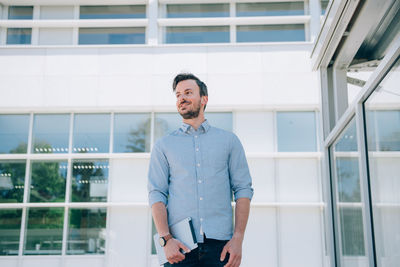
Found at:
[192, 173]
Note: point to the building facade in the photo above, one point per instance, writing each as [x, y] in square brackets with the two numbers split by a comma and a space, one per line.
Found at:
[86, 91]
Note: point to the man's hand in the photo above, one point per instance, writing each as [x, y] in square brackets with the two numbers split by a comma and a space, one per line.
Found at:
[172, 251]
[234, 248]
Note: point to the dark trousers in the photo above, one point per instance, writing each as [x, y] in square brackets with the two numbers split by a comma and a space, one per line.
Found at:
[206, 255]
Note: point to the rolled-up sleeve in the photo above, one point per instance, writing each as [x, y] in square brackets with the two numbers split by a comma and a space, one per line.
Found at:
[158, 177]
[239, 173]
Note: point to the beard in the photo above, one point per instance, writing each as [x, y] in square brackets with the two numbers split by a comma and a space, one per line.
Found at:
[191, 114]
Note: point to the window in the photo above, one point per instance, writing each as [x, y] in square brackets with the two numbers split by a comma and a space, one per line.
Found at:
[91, 133]
[112, 35]
[10, 225]
[56, 12]
[113, 12]
[19, 35]
[50, 133]
[132, 132]
[12, 180]
[165, 123]
[14, 131]
[89, 181]
[20, 12]
[48, 181]
[197, 34]
[296, 131]
[87, 231]
[324, 6]
[197, 10]
[221, 120]
[44, 231]
[270, 9]
[55, 36]
[271, 33]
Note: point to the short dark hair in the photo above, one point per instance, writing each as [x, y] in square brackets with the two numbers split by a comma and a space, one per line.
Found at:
[189, 76]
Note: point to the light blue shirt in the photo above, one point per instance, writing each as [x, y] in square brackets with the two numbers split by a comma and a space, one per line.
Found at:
[194, 174]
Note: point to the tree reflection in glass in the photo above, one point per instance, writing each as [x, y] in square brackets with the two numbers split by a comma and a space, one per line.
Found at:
[44, 231]
[14, 133]
[87, 231]
[10, 226]
[48, 181]
[132, 132]
[89, 181]
[12, 178]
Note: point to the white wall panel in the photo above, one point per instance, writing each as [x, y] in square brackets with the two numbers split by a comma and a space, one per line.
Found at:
[161, 90]
[129, 180]
[39, 261]
[9, 262]
[263, 177]
[129, 230]
[21, 90]
[300, 233]
[22, 62]
[56, 90]
[83, 91]
[56, 12]
[85, 262]
[286, 61]
[260, 242]
[255, 131]
[297, 180]
[55, 36]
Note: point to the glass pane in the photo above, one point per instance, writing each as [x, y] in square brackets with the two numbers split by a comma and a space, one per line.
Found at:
[197, 34]
[56, 12]
[89, 180]
[153, 232]
[132, 132]
[12, 180]
[20, 12]
[324, 5]
[112, 35]
[197, 10]
[50, 134]
[270, 9]
[296, 131]
[87, 231]
[165, 123]
[349, 203]
[48, 181]
[44, 231]
[10, 227]
[19, 35]
[14, 131]
[383, 135]
[91, 133]
[112, 12]
[221, 120]
[271, 33]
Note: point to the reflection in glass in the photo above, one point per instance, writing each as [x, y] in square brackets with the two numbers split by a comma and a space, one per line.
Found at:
[87, 231]
[125, 35]
[197, 10]
[50, 133]
[132, 132]
[324, 6]
[14, 131]
[383, 138]
[348, 197]
[89, 180]
[48, 181]
[10, 226]
[271, 33]
[12, 180]
[113, 12]
[19, 36]
[91, 133]
[269, 9]
[165, 123]
[296, 131]
[221, 120]
[20, 12]
[197, 34]
[44, 231]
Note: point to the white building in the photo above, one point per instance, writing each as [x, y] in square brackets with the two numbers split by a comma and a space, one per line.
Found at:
[85, 90]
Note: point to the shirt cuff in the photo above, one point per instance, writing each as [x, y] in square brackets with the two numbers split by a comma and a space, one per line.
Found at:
[155, 197]
[244, 193]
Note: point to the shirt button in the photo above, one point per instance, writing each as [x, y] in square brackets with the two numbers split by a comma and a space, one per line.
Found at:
[195, 136]
[198, 164]
[201, 198]
[199, 181]
[197, 149]
[201, 219]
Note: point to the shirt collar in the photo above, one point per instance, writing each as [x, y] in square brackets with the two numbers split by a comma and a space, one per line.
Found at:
[205, 126]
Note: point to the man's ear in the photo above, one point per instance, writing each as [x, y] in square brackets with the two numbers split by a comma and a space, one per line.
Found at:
[204, 100]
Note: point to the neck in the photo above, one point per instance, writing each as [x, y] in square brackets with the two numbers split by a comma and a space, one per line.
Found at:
[195, 122]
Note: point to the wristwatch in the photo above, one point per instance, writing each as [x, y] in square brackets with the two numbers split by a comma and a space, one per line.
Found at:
[164, 239]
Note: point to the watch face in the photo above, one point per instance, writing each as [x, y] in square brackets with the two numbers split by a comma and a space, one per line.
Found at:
[162, 241]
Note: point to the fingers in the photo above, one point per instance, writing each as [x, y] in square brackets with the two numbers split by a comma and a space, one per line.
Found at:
[234, 260]
[223, 254]
[185, 248]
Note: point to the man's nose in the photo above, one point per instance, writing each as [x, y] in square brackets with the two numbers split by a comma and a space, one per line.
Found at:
[181, 98]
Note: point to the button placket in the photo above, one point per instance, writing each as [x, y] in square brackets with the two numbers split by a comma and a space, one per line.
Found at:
[199, 173]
